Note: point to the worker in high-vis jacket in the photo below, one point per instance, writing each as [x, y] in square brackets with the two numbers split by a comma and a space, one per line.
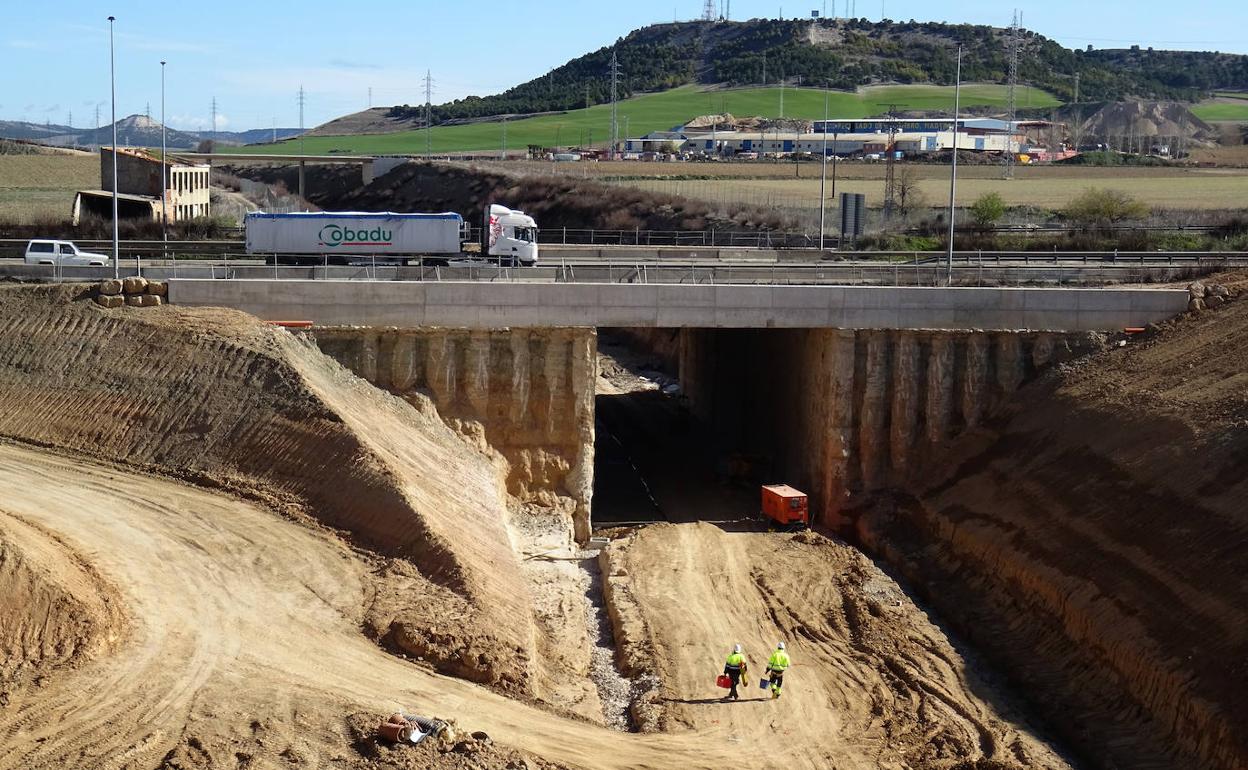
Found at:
[777, 664]
[735, 669]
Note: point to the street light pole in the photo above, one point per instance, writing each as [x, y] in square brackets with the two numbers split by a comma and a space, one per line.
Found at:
[953, 167]
[823, 170]
[164, 170]
[112, 84]
[836, 142]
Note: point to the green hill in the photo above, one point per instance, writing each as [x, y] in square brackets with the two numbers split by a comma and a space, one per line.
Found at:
[650, 112]
[848, 54]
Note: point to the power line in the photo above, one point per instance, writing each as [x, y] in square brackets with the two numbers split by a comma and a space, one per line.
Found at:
[428, 113]
[1015, 40]
[890, 164]
[615, 77]
[302, 164]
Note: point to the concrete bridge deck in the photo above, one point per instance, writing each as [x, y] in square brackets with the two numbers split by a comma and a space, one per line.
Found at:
[482, 305]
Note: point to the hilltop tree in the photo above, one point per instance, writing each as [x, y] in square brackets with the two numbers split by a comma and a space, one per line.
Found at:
[847, 53]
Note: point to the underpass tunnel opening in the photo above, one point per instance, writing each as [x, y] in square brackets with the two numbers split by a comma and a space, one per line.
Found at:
[679, 435]
[691, 422]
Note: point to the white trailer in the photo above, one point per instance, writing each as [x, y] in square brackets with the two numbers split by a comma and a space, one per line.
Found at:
[342, 237]
[346, 236]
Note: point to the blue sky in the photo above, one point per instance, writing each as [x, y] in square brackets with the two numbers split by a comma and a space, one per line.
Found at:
[254, 56]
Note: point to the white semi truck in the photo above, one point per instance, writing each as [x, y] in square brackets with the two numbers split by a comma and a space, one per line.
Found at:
[345, 237]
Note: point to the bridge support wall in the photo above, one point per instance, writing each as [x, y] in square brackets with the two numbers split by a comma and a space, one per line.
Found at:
[526, 393]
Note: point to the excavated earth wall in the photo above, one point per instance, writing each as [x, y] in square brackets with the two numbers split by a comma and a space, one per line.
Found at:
[527, 392]
[1091, 539]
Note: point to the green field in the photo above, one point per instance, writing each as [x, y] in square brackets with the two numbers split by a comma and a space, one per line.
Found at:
[659, 111]
[1222, 110]
[38, 187]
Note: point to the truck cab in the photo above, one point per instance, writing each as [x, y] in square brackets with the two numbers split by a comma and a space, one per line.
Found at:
[49, 252]
[511, 236]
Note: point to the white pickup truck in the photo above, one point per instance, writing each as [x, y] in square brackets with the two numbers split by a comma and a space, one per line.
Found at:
[41, 252]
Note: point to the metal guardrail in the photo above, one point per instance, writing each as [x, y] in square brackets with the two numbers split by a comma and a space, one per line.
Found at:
[233, 251]
[913, 273]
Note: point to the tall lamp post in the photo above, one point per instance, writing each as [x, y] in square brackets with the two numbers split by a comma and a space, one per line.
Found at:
[112, 84]
[953, 167]
[164, 170]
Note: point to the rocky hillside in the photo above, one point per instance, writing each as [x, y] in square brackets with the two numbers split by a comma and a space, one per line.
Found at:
[846, 53]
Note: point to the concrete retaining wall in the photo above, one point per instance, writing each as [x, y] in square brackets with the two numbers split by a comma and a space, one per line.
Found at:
[530, 392]
[482, 305]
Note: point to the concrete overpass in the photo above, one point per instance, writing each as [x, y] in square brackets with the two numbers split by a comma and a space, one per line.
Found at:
[485, 305]
[370, 167]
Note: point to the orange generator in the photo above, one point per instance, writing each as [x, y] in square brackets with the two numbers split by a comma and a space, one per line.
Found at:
[785, 506]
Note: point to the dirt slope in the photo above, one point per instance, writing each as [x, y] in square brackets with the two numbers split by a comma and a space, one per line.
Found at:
[59, 611]
[217, 397]
[245, 651]
[873, 683]
[1092, 543]
[245, 648]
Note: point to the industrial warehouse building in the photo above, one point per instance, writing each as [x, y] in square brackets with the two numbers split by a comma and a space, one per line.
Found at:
[138, 188]
[731, 143]
[849, 137]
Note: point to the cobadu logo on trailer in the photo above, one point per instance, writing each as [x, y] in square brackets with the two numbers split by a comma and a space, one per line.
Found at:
[337, 235]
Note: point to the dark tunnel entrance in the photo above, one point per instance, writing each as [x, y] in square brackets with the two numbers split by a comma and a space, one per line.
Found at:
[655, 458]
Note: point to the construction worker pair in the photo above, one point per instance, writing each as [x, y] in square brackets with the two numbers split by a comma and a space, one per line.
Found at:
[777, 664]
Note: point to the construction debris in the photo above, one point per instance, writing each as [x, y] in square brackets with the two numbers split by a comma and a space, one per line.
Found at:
[406, 728]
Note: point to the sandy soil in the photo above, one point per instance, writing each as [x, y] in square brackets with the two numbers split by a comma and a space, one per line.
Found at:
[873, 685]
[244, 643]
[234, 536]
[244, 639]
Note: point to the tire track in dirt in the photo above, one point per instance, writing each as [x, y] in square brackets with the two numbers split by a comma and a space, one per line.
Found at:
[241, 616]
[873, 683]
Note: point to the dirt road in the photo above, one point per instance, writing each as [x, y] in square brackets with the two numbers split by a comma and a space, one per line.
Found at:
[873, 685]
[244, 640]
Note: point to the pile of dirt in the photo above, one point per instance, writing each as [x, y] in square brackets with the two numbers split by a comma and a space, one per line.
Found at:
[222, 400]
[554, 201]
[1090, 541]
[1140, 119]
[873, 682]
[58, 610]
[722, 122]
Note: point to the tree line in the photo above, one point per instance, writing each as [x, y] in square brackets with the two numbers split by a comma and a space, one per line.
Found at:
[851, 53]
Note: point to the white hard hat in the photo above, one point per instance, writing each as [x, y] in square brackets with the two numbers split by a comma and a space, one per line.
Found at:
[780, 646]
[736, 648]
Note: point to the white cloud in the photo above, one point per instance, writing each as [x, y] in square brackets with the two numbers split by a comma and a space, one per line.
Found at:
[198, 122]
